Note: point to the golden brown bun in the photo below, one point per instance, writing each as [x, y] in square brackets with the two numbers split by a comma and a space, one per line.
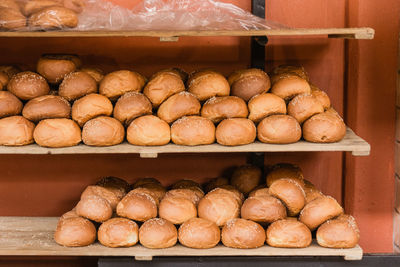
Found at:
[11, 19]
[54, 17]
[57, 133]
[184, 193]
[162, 85]
[193, 131]
[327, 127]
[235, 132]
[241, 233]
[341, 232]
[289, 86]
[206, 84]
[3, 80]
[103, 131]
[266, 209]
[146, 180]
[218, 108]
[95, 208]
[130, 106]
[10, 105]
[177, 209]
[97, 74]
[27, 85]
[118, 232]
[47, 107]
[283, 70]
[119, 186]
[245, 178]
[54, 67]
[69, 214]
[158, 233]
[288, 233]
[215, 183]
[321, 97]
[33, 6]
[303, 106]
[158, 191]
[102, 192]
[279, 129]
[229, 189]
[290, 193]
[264, 105]
[9, 4]
[185, 183]
[248, 83]
[89, 107]
[75, 232]
[137, 206]
[319, 211]
[177, 106]
[259, 192]
[285, 170]
[76, 85]
[311, 191]
[199, 233]
[75, 5]
[148, 130]
[120, 82]
[16, 131]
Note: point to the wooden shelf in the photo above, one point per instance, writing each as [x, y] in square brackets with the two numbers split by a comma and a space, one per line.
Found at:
[27, 236]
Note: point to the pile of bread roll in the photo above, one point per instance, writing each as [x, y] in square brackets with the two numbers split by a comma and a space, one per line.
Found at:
[63, 103]
[246, 211]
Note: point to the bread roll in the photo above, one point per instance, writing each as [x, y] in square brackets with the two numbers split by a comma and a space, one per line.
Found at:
[215, 183]
[103, 131]
[319, 211]
[148, 130]
[27, 85]
[76, 85]
[57, 133]
[199, 233]
[120, 82]
[95, 208]
[311, 191]
[289, 86]
[180, 72]
[69, 214]
[118, 232]
[10, 105]
[33, 6]
[11, 19]
[285, 170]
[54, 17]
[177, 209]
[279, 129]
[290, 193]
[288, 233]
[97, 74]
[264, 105]
[9, 4]
[177, 106]
[137, 206]
[245, 178]
[235, 132]
[130, 106]
[241, 233]
[47, 107]
[146, 180]
[248, 83]
[89, 107]
[283, 70]
[303, 106]
[158, 233]
[229, 189]
[218, 108]
[184, 193]
[193, 131]
[264, 191]
[16, 131]
[206, 84]
[263, 209]
[75, 232]
[321, 97]
[116, 185]
[157, 191]
[102, 192]
[54, 67]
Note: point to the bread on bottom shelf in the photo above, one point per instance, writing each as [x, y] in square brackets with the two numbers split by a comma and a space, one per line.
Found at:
[16, 131]
[241, 233]
[118, 232]
[288, 233]
[245, 178]
[47, 107]
[263, 209]
[199, 233]
[75, 232]
[158, 233]
[76, 85]
[10, 105]
[95, 208]
[176, 209]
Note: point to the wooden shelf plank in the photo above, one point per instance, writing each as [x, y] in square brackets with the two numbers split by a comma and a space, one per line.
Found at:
[22, 236]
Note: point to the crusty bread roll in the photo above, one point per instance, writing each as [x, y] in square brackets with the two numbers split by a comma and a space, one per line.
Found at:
[57, 133]
[53, 17]
[263, 209]
[241, 233]
[289, 233]
[10, 105]
[32, 6]
[192, 131]
[206, 84]
[118, 186]
[118, 232]
[95, 208]
[69, 214]
[75, 232]
[215, 183]
[235, 132]
[199, 233]
[279, 129]
[177, 106]
[290, 193]
[158, 233]
[285, 170]
[259, 191]
[137, 206]
[102, 192]
[184, 193]
[9, 4]
[11, 19]
[282, 70]
[229, 189]
[103, 131]
[218, 108]
[130, 106]
[321, 97]
[47, 107]
[289, 86]
[146, 180]
[326, 127]
[245, 178]
[120, 82]
[27, 85]
[177, 209]
[311, 191]
[54, 67]
[303, 106]
[185, 183]
[16, 131]
[97, 74]
[157, 191]
[248, 83]
[89, 107]
[319, 211]
[77, 84]
[263, 105]
[148, 130]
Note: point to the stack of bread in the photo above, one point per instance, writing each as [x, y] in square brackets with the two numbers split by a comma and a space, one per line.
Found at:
[64, 103]
[282, 210]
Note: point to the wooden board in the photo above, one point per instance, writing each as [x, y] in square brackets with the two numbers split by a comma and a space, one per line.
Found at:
[351, 142]
[23, 236]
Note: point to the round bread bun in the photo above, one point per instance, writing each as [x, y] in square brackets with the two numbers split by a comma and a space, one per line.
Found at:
[321, 97]
[16, 131]
[311, 191]
[235, 132]
[199, 233]
[103, 131]
[69, 214]
[327, 127]
[193, 131]
[118, 186]
[184, 193]
[257, 192]
[3, 80]
[77, 84]
[177, 106]
[54, 67]
[102, 192]
[162, 85]
[341, 232]
[230, 189]
[33, 6]
[11, 19]
[157, 190]
[290, 193]
[218, 108]
[263, 209]
[245, 178]
[146, 180]
[177, 209]
[97, 74]
[118, 232]
[241, 233]
[248, 83]
[57, 133]
[319, 211]
[185, 183]
[288, 233]
[206, 84]
[137, 206]
[95, 208]
[75, 5]
[54, 17]
[215, 183]
[287, 171]
[27, 85]
[130, 106]
[264, 105]
[282, 70]
[279, 129]
[303, 106]
[158, 233]
[148, 130]
[47, 107]
[289, 86]
[9, 4]
[89, 107]
[75, 232]
[120, 82]
[10, 105]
